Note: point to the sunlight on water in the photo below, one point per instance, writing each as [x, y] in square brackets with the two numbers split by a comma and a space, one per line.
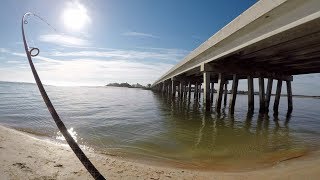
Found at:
[156, 128]
[71, 131]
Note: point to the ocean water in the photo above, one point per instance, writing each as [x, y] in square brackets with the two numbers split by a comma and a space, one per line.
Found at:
[154, 128]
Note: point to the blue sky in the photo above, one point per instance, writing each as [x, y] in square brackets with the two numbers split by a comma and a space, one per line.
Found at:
[120, 40]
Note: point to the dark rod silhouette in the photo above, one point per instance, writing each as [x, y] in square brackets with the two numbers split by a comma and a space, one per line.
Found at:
[72, 143]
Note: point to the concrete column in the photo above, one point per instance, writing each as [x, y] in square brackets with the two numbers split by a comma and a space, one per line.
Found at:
[163, 87]
[167, 88]
[173, 86]
[178, 89]
[225, 93]
[212, 92]
[206, 90]
[195, 91]
[289, 93]
[250, 94]
[189, 91]
[234, 90]
[220, 92]
[261, 95]
[185, 90]
[268, 94]
[200, 90]
[181, 89]
[277, 97]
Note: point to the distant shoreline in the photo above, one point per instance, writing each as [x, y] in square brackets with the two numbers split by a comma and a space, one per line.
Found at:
[147, 88]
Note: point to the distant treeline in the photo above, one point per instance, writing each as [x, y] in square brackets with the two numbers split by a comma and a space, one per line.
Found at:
[129, 85]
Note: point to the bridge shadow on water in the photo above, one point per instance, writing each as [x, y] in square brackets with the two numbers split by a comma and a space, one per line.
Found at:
[222, 140]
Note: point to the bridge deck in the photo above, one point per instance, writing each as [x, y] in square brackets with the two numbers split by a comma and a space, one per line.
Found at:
[272, 38]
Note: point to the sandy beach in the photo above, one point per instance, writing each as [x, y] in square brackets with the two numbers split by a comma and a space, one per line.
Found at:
[24, 156]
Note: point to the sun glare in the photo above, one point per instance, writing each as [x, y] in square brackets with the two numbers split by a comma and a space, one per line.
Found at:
[75, 16]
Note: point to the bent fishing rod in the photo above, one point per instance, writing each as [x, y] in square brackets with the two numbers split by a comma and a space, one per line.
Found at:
[32, 52]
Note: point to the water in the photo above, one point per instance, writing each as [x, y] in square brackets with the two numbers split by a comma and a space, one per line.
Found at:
[153, 128]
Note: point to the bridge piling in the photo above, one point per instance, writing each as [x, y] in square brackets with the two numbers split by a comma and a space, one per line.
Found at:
[234, 92]
[289, 94]
[195, 91]
[250, 95]
[189, 90]
[200, 90]
[225, 93]
[163, 88]
[185, 90]
[261, 95]
[169, 87]
[212, 92]
[277, 97]
[181, 90]
[268, 94]
[173, 86]
[206, 90]
[178, 89]
[220, 92]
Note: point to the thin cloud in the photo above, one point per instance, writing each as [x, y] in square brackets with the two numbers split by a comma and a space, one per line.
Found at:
[139, 34]
[173, 55]
[4, 50]
[87, 72]
[93, 68]
[63, 40]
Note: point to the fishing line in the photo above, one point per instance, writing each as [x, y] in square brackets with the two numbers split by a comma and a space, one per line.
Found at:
[33, 52]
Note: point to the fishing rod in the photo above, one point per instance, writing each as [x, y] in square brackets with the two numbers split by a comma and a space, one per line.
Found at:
[32, 52]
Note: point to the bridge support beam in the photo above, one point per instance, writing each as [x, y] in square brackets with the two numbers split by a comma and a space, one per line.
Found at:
[225, 93]
[262, 95]
[169, 88]
[277, 98]
[200, 84]
[181, 89]
[233, 96]
[250, 94]
[221, 81]
[173, 86]
[206, 90]
[189, 91]
[268, 94]
[163, 87]
[186, 90]
[212, 92]
[195, 92]
[178, 89]
[289, 94]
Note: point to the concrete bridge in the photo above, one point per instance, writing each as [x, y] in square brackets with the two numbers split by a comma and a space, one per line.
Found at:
[272, 40]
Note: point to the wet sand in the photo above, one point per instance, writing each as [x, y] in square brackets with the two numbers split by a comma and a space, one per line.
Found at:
[24, 156]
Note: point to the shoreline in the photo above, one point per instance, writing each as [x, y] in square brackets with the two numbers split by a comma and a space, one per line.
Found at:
[24, 156]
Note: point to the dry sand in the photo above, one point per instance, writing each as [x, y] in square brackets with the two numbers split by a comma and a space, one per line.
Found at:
[23, 156]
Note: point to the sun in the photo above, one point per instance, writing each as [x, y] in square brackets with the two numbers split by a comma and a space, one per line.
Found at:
[75, 16]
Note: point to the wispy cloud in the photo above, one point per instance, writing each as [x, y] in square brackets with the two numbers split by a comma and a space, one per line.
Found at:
[64, 40]
[139, 34]
[84, 70]
[169, 55]
[4, 50]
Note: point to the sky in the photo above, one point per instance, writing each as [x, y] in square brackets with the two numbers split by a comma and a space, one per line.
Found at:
[96, 42]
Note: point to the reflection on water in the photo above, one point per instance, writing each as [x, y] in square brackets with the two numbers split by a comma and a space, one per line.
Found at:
[71, 131]
[219, 140]
[156, 128]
